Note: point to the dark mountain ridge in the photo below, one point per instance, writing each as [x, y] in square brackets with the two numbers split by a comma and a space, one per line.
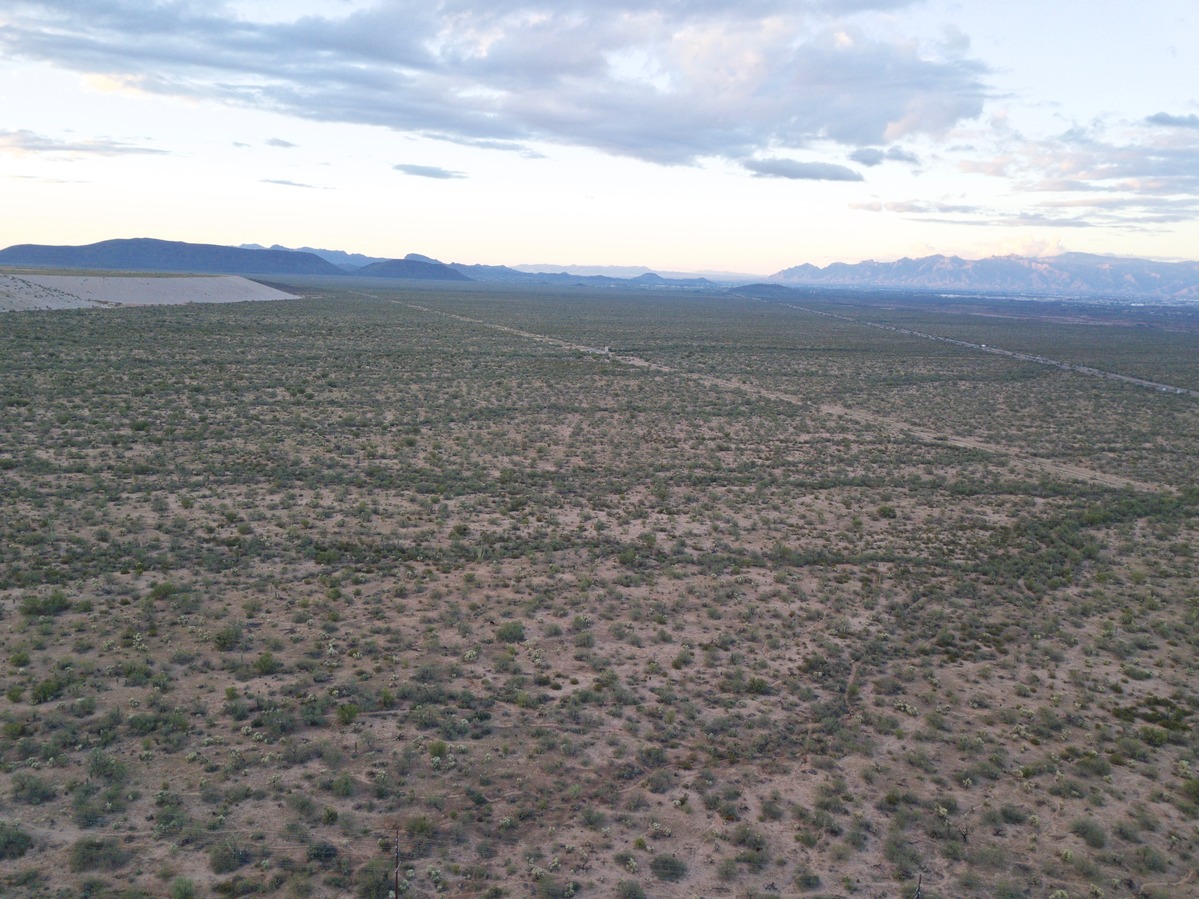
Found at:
[148, 254]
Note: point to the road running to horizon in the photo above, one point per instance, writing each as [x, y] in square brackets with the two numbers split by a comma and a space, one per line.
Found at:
[1000, 351]
[893, 426]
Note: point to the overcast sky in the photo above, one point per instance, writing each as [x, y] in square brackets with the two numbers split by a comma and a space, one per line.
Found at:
[678, 134]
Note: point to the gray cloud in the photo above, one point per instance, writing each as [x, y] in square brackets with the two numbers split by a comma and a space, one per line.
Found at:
[283, 182]
[21, 142]
[800, 171]
[872, 156]
[669, 81]
[1174, 121]
[1145, 178]
[280, 142]
[427, 171]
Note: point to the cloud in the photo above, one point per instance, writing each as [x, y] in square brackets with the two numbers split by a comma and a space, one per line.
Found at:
[872, 156]
[1173, 121]
[280, 142]
[668, 81]
[1132, 177]
[800, 171]
[283, 182]
[25, 142]
[427, 171]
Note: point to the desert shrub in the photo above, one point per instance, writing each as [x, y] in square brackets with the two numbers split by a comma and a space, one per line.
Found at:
[668, 867]
[1155, 736]
[806, 879]
[1190, 789]
[1090, 832]
[374, 880]
[54, 604]
[228, 637]
[105, 767]
[549, 888]
[902, 854]
[91, 854]
[322, 853]
[421, 832]
[629, 889]
[510, 632]
[343, 785]
[14, 842]
[744, 835]
[31, 789]
[182, 888]
[49, 689]
[225, 857]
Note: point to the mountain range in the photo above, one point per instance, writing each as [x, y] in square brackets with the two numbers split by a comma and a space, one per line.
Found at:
[144, 254]
[1066, 275]
[1078, 275]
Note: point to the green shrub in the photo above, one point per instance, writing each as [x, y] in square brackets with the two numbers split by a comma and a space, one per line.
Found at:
[14, 842]
[322, 853]
[91, 854]
[375, 879]
[31, 789]
[228, 637]
[225, 857]
[1090, 832]
[54, 604]
[668, 867]
[510, 632]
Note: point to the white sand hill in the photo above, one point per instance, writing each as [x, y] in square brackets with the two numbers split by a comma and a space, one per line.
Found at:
[28, 291]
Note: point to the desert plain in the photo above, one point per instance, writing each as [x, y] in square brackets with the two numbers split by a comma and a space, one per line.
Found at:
[413, 588]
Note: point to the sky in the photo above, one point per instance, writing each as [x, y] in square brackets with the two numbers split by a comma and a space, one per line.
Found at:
[680, 135]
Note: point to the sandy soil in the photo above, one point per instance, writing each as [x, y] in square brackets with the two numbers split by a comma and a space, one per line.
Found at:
[25, 291]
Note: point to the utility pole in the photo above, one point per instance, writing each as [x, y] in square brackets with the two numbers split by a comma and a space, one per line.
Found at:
[396, 894]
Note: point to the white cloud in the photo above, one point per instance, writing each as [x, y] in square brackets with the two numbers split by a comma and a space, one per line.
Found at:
[800, 171]
[27, 142]
[671, 81]
[428, 171]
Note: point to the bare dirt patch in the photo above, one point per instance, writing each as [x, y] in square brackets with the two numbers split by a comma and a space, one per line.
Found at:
[27, 292]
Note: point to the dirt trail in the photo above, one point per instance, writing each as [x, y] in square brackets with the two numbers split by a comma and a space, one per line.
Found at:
[890, 425]
[1011, 354]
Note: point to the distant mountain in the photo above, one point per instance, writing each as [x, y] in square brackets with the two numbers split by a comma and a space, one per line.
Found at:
[147, 254]
[413, 266]
[495, 273]
[646, 280]
[343, 260]
[1070, 274]
[764, 291]
[629, 272]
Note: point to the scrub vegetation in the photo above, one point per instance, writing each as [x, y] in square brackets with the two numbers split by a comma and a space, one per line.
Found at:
[761, 603]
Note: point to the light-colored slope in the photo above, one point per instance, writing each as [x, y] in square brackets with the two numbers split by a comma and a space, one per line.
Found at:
[21, 294]
[27, 291]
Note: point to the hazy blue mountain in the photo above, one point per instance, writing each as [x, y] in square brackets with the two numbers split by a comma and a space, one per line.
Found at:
[1070, 274]
[340, 258]
[148, 254]
[415, 268]
[628, 272]
[646, 280]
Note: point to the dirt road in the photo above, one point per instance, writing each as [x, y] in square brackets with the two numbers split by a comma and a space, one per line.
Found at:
[890, 425]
